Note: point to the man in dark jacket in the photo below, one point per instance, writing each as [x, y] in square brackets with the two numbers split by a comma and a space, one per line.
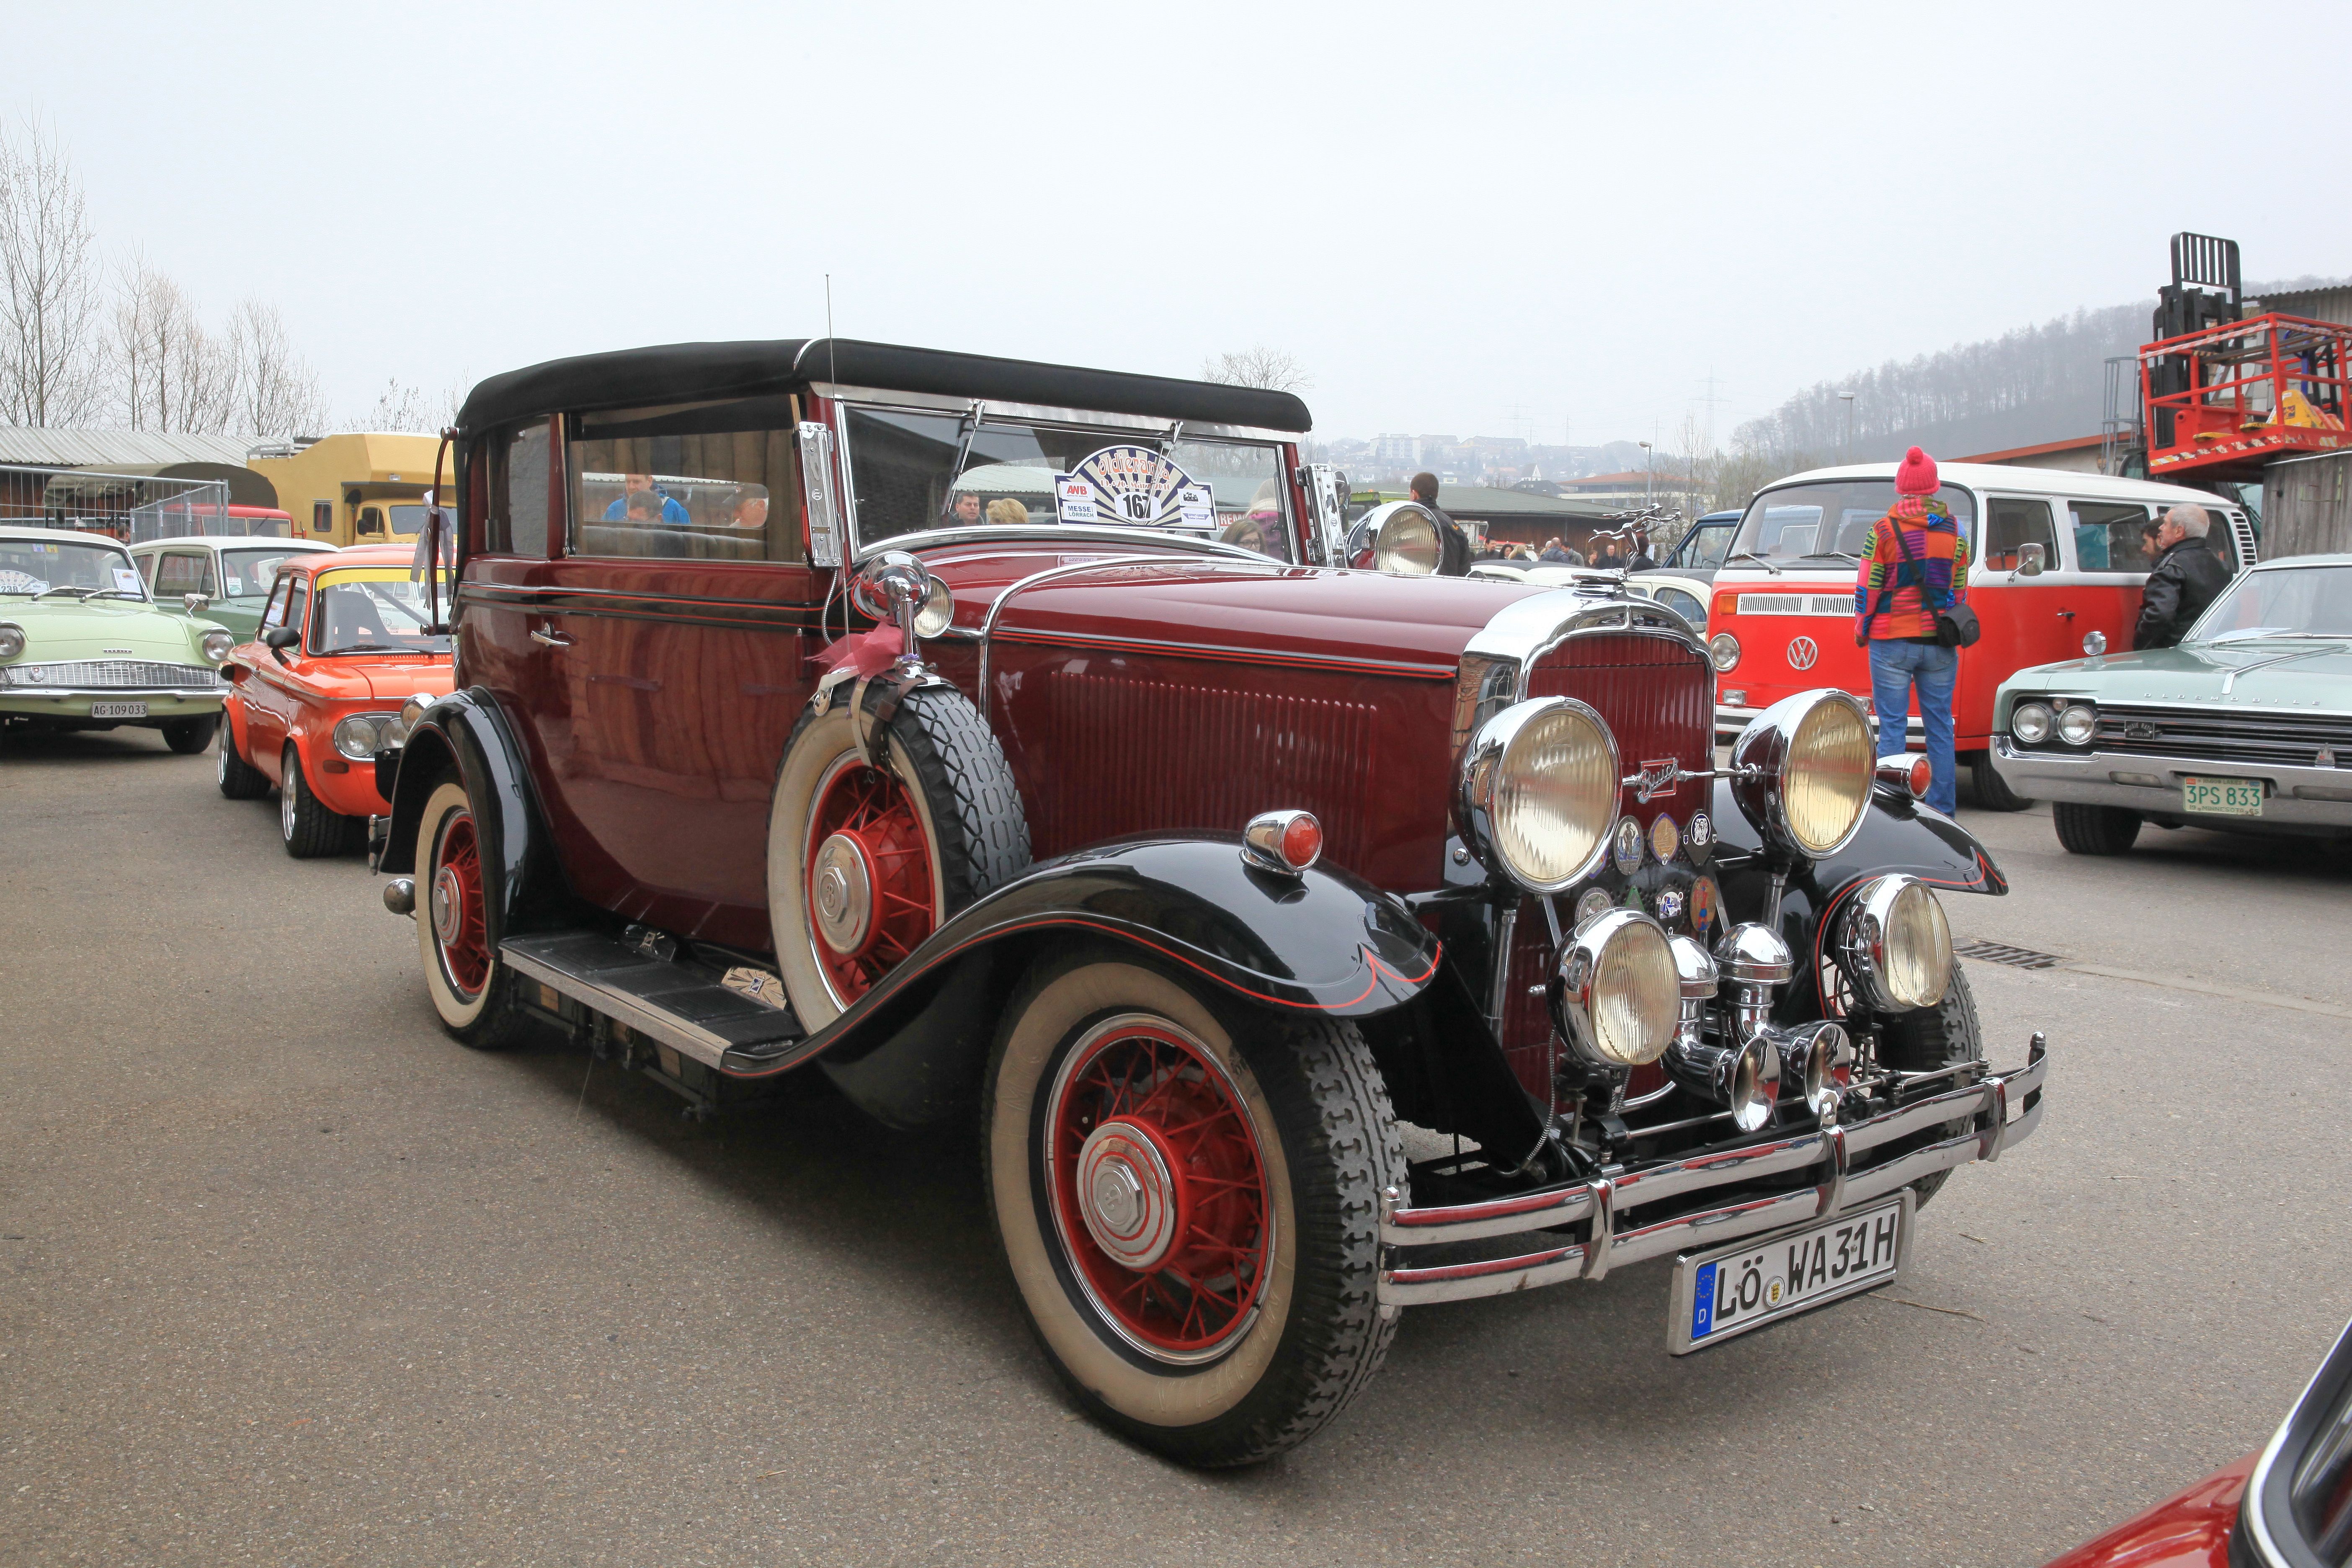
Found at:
[2188, 577]
[1454, 545]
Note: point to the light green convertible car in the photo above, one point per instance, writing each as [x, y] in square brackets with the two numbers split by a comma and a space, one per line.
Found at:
[2246, 727]
[83, 646]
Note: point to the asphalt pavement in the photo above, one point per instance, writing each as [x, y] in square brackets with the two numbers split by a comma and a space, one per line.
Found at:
[287, 1276]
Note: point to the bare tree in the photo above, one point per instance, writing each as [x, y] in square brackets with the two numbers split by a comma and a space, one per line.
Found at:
[1274, 370]
[277, 393]
[171, 374]
[50, 352]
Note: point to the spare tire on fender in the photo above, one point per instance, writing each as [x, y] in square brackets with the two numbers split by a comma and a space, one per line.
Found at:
[864, 863]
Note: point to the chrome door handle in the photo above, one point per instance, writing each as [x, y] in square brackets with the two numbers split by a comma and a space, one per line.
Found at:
[550, 637]
[2066, 614]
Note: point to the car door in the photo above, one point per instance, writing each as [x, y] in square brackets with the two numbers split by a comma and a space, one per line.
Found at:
[2111, 560]
[2024, 615]
[272, 697]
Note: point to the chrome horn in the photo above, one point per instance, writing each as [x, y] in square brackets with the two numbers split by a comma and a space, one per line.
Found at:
[1745, 1078]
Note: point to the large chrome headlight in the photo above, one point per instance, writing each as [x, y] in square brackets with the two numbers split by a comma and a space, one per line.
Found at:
[1894, 944]
[12, 639]
[216, 644]
[1406, 541]
[1538, 791]
[1803, 770]
[1616, 995]
[357, 736]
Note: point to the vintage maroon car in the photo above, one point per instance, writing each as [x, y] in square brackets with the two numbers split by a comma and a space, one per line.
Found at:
[991, 736]
[2289, 1506]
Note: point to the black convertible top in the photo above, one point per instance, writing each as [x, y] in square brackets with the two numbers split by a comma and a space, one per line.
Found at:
[695, 373]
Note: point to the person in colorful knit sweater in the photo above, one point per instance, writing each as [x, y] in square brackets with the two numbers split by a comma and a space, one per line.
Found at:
[1916, 564]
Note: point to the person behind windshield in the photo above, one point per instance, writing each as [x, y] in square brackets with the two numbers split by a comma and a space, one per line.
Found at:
[634, 485]
[1915, 563]
[963, 511]
[1453, 545]
[1004, 511]
[2187, 578]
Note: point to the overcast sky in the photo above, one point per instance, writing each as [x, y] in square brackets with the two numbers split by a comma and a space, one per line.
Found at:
[1542, 220]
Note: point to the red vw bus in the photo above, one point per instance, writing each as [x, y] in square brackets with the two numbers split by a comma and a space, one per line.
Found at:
[2053, 557]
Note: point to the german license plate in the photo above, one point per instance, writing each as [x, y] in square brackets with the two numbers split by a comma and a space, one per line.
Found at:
[2221, 797]
[1731, 1289]
[118, 710]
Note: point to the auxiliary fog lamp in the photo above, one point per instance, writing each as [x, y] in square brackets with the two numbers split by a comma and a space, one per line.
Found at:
[1894, 944]
[1802, 772]
[1615, 993]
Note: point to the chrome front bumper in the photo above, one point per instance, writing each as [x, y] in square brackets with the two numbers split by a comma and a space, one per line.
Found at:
[1845, 1180]
[2300, 797]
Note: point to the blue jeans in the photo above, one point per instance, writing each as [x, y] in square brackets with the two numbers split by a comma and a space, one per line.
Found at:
[1898, 668]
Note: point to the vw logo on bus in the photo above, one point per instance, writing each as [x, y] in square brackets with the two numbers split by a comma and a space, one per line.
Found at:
[1803, 652]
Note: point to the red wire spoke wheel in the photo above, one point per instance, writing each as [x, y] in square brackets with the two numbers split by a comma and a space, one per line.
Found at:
[870, 889]
[456, 906]
[1158, 1188]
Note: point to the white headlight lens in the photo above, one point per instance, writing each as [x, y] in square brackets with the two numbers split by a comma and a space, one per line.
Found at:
[1918, 958]
[938, 611]
[2030, 724]
[1723, 652]
[1826, 783]
[2075, 724]
[216, 644]
[1407, 543]
[356, 737]
[1554, 796]
[11, 641]
[1617, 997]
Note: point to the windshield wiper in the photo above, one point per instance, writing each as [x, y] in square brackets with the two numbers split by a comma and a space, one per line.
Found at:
[372, 647]
[65, 588]
[118, 593]
[1751, 555]
[1831, 555]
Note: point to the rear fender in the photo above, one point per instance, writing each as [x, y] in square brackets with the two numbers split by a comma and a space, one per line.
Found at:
[1321, 945]
[463, 734]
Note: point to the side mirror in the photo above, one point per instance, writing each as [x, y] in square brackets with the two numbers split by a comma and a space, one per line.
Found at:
[196, 603]
[2031, 559]
[281, 637]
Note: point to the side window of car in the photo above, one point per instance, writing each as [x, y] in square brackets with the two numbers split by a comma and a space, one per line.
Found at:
[371, 520]
[178, 572]
[2012, 524]
[2109, 536]
[147, 570]
[299, 603]
[517, 491]
[274, 615]
[709, 481]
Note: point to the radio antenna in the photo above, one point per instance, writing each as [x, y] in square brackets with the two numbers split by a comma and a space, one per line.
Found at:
[832, 354]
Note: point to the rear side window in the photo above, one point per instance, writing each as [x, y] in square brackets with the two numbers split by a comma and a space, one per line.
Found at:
[2011, 524]
[698, 481]
[2109, 536]
[518, 488]
[299, 605]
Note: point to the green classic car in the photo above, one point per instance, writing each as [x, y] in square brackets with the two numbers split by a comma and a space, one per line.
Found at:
[83, 646]
[2246, 727]
[232, 575]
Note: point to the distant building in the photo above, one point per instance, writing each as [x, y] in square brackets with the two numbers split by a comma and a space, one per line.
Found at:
[2076, 455]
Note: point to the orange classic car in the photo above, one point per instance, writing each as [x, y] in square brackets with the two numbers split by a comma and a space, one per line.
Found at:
[346, 640]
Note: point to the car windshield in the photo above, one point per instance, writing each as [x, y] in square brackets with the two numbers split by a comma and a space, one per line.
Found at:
[406, 519]
[250, 573]
[1830, 518]
[2286, 602]
[69, 566]
[375, 609]
[913, 470]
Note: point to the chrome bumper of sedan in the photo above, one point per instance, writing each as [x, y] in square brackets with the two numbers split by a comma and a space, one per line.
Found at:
[2296, 797]
[2003, 1108]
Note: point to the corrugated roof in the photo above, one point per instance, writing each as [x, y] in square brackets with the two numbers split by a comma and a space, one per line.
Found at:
[103, 449]
[1477, 501]
[2330, 304]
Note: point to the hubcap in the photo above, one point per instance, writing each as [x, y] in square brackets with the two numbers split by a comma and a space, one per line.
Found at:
[844, 893]
[1128, 1200]
[1158, 1190]
[449, 905]
[286, 802]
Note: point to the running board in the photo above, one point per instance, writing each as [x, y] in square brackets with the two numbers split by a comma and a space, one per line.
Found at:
[678, 1002]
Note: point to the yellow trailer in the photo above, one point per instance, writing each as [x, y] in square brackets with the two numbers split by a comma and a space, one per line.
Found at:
[365, 488]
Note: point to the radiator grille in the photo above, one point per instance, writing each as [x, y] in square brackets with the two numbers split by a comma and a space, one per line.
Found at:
[2280, 740]
[113, 673]
[1133, 754]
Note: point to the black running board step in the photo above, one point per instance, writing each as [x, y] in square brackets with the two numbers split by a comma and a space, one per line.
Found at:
[679, 1003]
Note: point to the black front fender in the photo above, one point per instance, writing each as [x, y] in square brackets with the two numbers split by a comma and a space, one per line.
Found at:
[465, 734]
[1324, 943]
